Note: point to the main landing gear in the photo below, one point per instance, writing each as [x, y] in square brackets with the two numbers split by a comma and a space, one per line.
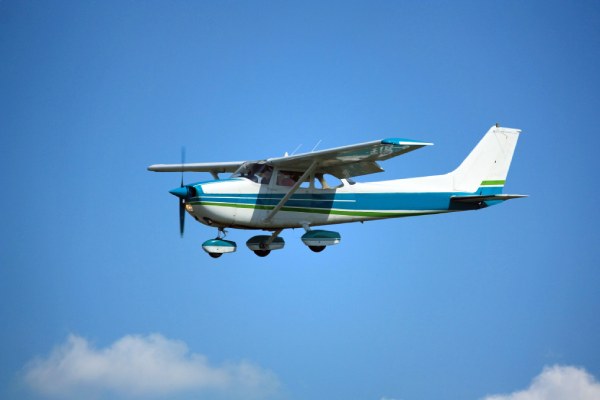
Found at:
[318, 239]
[262, 245]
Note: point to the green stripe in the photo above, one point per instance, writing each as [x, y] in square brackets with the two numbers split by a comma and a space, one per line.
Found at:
[373, 214]
[490, 183]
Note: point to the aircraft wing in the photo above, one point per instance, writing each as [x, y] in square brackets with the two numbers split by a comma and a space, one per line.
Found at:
[349, 161]
[214, 168]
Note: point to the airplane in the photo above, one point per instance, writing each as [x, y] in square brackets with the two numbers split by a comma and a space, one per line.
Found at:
[317, 188]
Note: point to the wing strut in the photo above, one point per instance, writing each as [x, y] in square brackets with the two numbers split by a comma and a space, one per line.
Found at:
[292, 190]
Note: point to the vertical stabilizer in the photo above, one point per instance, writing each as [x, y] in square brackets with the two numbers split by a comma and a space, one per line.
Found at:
[487, 165]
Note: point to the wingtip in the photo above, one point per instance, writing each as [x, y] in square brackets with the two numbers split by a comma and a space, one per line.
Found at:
[153, 167]
[402, 141]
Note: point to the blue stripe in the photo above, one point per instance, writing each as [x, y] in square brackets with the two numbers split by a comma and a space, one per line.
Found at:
[349, 201]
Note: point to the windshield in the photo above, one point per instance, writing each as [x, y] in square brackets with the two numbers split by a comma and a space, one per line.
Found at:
[256, 172]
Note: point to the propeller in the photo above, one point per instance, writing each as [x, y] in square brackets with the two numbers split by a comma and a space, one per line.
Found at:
[183, 192]
[182, 199]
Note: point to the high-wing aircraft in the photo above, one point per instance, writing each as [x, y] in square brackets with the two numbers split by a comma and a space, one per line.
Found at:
[315, 189]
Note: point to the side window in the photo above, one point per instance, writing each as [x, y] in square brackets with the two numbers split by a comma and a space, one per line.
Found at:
[327, 181]
[318, 181]
[287, 178]
[306, 184]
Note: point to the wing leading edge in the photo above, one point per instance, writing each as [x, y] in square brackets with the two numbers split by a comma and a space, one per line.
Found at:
[342, 162]
[217, 167]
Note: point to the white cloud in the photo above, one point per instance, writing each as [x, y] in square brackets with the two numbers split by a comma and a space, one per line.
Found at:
[142, 366]
[557, 383]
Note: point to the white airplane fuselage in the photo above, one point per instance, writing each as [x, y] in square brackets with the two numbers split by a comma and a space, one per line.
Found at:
[242, 203]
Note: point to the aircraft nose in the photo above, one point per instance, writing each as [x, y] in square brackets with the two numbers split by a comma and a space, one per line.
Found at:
[181, 192]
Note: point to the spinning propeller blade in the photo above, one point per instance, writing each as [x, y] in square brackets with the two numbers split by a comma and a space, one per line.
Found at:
[181, 216]
[181, 199]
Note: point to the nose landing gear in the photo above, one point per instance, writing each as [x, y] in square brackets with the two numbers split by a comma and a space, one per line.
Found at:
[218, 246]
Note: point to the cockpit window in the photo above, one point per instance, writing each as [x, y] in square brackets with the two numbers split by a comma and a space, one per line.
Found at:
[317, 181]
[256, 172]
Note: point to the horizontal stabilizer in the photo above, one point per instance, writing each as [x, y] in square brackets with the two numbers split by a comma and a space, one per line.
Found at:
[491, 197]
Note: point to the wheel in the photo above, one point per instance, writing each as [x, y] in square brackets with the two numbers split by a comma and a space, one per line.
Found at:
[317, 249]
[215, 255]
[262, 253]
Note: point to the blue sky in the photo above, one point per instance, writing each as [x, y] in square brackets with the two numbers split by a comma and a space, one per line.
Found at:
[93, 272]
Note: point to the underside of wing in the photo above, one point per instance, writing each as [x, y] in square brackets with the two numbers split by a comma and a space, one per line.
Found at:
[215, 168]
[349, 161]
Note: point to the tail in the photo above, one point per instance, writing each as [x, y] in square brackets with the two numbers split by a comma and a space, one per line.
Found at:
[485, 169]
